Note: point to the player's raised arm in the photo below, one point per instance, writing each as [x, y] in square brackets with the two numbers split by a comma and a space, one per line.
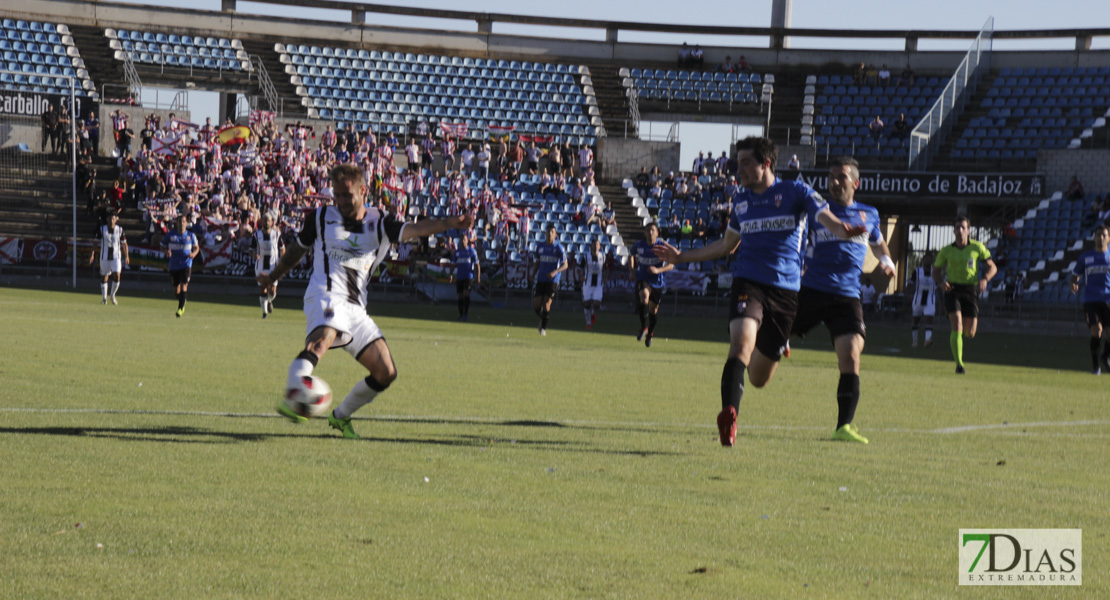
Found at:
[886, 263]
[839, 228]
[429, 227]
[724, 246]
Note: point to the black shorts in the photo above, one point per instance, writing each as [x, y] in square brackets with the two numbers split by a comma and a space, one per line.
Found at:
[840, 314]
[654, 296]
[545, 289]
[1098, 313]
[963, 298]
[181, 276]
[773, 308]
[462, 285]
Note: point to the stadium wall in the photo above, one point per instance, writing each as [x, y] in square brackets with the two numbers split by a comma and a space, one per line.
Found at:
[625, 156]
[483, 43]
[1088, 165]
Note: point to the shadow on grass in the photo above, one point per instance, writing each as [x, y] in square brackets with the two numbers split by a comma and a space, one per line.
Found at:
[196, 435]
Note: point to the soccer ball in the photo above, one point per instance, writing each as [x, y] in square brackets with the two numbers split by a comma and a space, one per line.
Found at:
[310, 398]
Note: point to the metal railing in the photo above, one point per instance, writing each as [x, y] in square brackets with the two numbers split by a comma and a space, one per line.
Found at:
[258, 68]
[927, 136]
[134, 84]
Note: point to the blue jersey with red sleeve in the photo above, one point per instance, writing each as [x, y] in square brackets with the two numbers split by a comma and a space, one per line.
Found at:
[772, 228]
[1095, 266]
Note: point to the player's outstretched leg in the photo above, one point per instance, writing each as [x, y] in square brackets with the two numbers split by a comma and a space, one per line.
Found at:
[732, 391]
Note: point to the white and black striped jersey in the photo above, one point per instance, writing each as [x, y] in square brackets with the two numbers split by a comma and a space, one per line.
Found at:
[924, 288]
[111, 242]
[267, 245]
[345, 251]
[594, 264]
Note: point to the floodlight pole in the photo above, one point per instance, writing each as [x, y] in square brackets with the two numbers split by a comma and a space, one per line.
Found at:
[73, 169]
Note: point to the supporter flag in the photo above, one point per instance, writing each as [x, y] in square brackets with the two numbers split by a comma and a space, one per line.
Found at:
[500, 131]
[236, 134]
[11, 250]
[180, 124]
[166, 145]
[247, 156]
[260, 117]
[455, 130]
[218, 254]
[539, 139]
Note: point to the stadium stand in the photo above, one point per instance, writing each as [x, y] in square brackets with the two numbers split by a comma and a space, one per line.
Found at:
[395, 90]
[697, 86]
[41, 55]
[193, 52]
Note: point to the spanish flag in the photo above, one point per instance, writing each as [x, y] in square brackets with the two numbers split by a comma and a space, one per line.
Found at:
[237, 134]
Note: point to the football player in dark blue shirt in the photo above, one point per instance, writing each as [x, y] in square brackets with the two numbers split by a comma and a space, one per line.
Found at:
[181, 247]
[468, 273]
[830, 291]
[647, 271]
[1094, 265]
[766, 230]
[550, 262]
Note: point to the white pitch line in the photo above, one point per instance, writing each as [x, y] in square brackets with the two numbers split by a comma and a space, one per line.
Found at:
[1003, 427]
[967, 428]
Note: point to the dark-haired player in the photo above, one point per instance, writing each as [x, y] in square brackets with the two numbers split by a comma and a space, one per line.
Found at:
[181, 247]
[768, 225]
[647, 271]
[1094, 266]
[549, 263]
[468, 273]
[830, 291]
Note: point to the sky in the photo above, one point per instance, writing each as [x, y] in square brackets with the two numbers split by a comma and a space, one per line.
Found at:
[964, 15]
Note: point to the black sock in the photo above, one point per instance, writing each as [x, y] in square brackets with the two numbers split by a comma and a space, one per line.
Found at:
[847, 397]
[538, 311]
[310, 357]
[732, 383]
[543, 318]
[462, 307]
[1094, 352]
[466, 305]
[643, 316]
[652, 320]
[180, 300]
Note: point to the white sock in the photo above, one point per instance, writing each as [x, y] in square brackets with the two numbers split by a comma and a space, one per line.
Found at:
[271, 297]
[262, 300]
[588, 314]
[299, 368]
[359, 396]
[114, 287]
[104, 291]
[928, 335]
[915, 336]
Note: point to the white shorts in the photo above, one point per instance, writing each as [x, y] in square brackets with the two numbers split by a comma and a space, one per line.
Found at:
[591, 293]
[925, 303]
[111, 265]
[356, 329]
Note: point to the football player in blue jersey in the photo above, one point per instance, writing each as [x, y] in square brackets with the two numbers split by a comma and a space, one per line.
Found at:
[830, 291]
[647, 271]
[468, 273]
[547, 270]
[766, 230]
[181, 247]
[1095, 266]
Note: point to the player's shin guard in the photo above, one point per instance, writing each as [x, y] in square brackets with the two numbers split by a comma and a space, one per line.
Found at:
[1094, 353]
[302, 366]
[362, 394]
[732, 383]
[847, 398]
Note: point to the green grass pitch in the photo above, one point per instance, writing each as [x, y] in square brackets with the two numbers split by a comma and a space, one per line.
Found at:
[505, 465]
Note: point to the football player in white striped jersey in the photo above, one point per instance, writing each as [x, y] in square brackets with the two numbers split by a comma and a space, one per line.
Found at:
[113, 255]
[267, 248]
[594, 283]
[348, 240]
